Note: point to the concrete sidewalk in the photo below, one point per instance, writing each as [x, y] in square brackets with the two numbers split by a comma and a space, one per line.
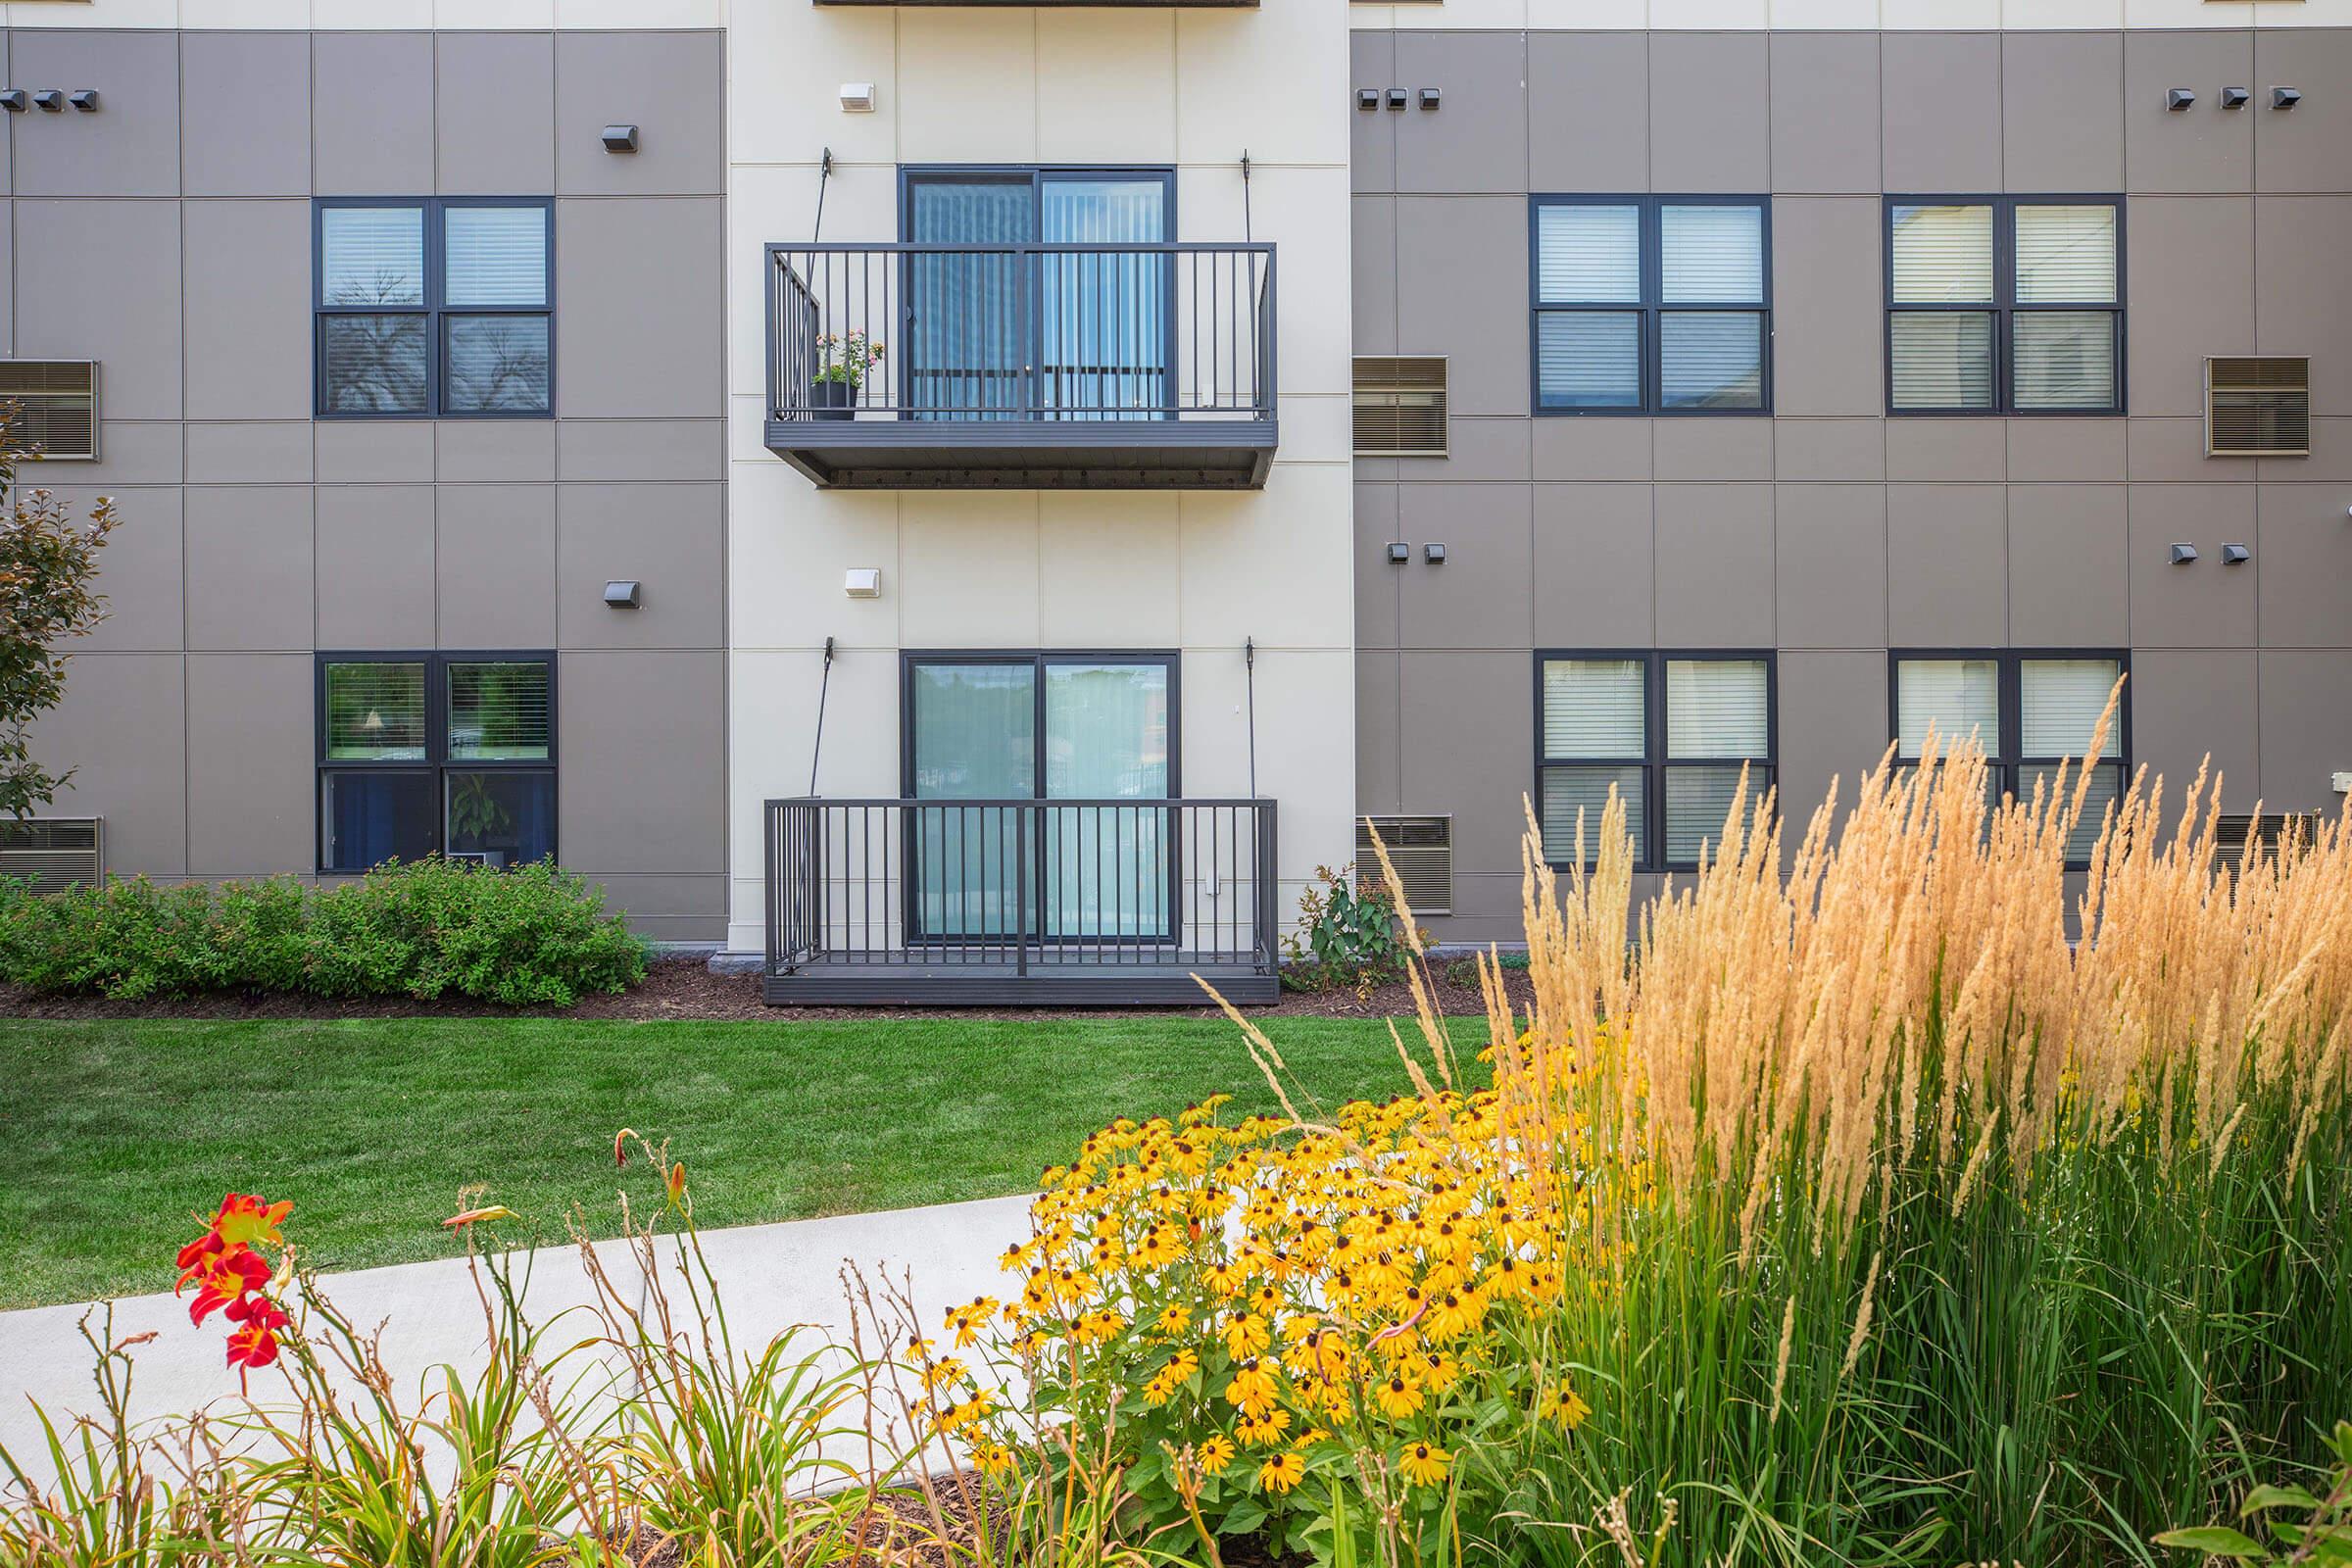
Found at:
[771, 1278]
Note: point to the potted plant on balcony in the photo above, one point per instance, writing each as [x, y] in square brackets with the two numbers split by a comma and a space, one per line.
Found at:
[842, 361]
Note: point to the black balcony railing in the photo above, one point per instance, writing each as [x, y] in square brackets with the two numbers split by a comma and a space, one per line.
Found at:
[980, 902]
[1147, 356]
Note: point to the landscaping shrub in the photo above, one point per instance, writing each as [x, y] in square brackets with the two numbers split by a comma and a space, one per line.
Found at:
[531, 936]
[1345, 937]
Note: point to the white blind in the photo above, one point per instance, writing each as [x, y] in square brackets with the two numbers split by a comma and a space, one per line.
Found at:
[1711, 359]
[1697, 801]
[496, 255]
[2058, 702]
[1716, 707]
[1942, 255]
[2066, 254]
[1960, 697]
[1711, 255]
[371, 256]
[1941, 359]
[1589, 255]
[2065, 359]
[1571, 790]
[1589, 358]
[1593, 707]
[2106, 782]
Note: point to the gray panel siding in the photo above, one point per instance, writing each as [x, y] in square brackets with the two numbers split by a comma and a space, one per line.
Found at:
[169, 237]
[1828, 531]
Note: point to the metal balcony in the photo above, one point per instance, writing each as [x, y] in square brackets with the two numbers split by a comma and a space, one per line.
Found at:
[1031, 367]
[943, 902]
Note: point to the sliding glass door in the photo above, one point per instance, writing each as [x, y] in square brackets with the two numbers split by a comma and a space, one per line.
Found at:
[1045, 333]
[1092, 730]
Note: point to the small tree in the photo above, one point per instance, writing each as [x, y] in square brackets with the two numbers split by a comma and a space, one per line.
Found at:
[47, 561]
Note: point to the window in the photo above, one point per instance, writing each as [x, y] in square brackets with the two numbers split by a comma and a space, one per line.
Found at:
[1669, 731]
[434, 307]
[2258, 407]
[2029, 711]
[57, 406]
[1400, 405]
[1651, 305]
[1997, 304]
[435, 754]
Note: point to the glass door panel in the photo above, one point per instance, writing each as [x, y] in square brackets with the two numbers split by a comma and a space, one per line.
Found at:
[973, 737]
[1107, 739]
[1104, 318]
[967, 323]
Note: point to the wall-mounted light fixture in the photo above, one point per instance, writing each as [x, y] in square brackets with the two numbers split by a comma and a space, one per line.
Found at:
[84, 99]
[1430, 98]
[1435, 554]
[619, 138]
[1367, 97]
[1397, 97]
[1400, 552]
[2236, 97]
[2235, 555]
[15, 100]
[857, 97]
[2179, 98]
[2182, 555]
[49, 101]
[2286, 97]
[626, 594]
[863, 582]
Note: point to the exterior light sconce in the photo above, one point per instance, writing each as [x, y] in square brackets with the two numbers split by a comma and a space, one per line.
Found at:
[1400, 552]
[619, 138]
[1367, 97]
[1435, 554]
[15, 100]
[1430, 98]
[2236, 97]
[857, 97]
[863, 582]
[2286, 97]
[2182, 555]
[84, 99]
[2179, 98]
[49, 101]
[627, 595]
[1397, 97]
[2235, 555]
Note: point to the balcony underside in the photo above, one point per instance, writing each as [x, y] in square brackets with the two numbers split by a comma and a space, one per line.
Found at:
[847, 982]
[1027, 453]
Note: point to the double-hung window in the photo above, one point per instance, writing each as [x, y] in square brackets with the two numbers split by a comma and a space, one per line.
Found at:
[2005, 305]
[1651, 303]
[1669, 731]
[435, 754]
[440, 307]
[2029, 711]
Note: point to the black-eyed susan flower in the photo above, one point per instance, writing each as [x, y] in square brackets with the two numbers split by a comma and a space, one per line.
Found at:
[1281, 1471]
[1425, 1463]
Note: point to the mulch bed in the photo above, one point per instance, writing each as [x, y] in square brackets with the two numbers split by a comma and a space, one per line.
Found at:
[686, 988]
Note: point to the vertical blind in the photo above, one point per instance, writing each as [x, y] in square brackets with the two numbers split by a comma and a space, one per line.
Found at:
[495, 255]
[1960, 697]
[371, 256]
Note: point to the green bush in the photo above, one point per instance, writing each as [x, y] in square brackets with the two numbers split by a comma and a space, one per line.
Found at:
[531, 937]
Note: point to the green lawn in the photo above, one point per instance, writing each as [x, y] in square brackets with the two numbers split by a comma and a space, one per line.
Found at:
[111, 1133]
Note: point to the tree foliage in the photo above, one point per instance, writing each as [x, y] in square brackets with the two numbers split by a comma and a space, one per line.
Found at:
[48, 560]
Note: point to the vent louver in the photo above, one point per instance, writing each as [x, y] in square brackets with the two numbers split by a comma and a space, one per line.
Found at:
[1421, 849]
[2258, 407]
[51, 853]
[2235, 838]
[57, 406]
[1400, 405]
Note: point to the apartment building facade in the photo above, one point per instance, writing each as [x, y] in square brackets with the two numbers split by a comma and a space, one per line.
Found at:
[976, 502]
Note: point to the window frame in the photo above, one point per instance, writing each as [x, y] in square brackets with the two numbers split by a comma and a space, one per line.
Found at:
[2003, 307]
[1650, 853]
[435, 312]
[1650, 351]
[436, 764]
[1038, 660]
[2007, 765]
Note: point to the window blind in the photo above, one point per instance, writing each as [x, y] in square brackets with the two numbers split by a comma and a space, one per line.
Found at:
[1942, 255]
[1594, 707]
[1589, 254]
[1589, 358]
[1711, 359]
[1716, 707]
[1569, 792]
[2059, 701]
[1711, 255]
[2106, 783]
[375, 711]
[1941, 359]
[1960, 697]
[2066, 254]
[371, 256]
[494, 255]
[1697, 801]
[498, 712]
[2065, 359]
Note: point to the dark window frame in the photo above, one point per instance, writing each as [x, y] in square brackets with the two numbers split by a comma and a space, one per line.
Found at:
[436, 764]
[1649, 352]
[1038, 659]
[2003, 307]
[435, 311]
[2007, 765]
[1649, 855]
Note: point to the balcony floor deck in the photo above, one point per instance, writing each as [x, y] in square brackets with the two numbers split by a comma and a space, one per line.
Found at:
[1088, 981]
[1190, 453]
